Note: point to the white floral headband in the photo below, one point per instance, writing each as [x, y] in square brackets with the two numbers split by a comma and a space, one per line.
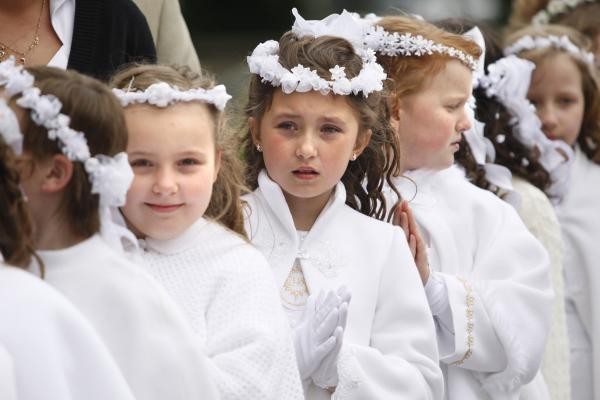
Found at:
[407, 44]
[528, 42]
[161, 94]
[264, 60]
[554, 8]
[508, 81]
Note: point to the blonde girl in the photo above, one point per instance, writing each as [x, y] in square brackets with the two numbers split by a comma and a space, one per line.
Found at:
[184, 205]
[564, 90]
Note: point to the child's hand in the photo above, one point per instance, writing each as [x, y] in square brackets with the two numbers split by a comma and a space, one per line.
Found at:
[404, 218]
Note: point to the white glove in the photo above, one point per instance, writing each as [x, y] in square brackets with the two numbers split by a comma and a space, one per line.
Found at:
[326, 375]
[313, 335]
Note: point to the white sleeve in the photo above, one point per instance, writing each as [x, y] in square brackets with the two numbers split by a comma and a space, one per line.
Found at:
[248, 336]
[402, 359]
[437, 297]
[501, 309]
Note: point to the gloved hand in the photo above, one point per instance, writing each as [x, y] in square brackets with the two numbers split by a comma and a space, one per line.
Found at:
[326, 375]
[313, 334]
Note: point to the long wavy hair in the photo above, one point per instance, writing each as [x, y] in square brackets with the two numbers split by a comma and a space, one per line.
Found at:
[16, 242]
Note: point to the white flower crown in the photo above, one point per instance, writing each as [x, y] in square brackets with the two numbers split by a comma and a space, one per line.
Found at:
[161, 94]
[508, 81]
[528, 42]
[554, 8]
[407, 44]
[264, 60]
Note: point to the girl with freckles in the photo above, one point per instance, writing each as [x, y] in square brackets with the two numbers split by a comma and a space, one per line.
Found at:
[317, 146]
[184, 207]
[485, 276]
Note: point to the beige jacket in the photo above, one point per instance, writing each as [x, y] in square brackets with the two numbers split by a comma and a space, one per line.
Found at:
[171, 35]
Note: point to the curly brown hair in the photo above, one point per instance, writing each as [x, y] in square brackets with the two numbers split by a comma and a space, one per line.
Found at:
[589, 135]
[16, 242]
[364, 178]
[225, 204]
[499, 126]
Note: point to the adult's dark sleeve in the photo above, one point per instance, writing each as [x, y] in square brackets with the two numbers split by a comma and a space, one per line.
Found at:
[108, 34]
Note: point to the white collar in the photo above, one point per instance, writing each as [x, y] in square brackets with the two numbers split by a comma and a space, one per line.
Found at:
[274, 198]
[62, 18]
[189, 238]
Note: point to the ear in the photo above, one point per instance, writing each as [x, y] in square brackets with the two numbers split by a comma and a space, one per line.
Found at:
[58, 171]
[217, 164]
[395, 112]
[254, 126]
[362, 141]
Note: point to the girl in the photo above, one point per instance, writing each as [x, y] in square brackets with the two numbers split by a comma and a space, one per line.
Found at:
[539, 169]
[581, 15]
[65, 199]
[184, 205]
[318, 148]
[47, 349]
[564, 90]
[485, 276]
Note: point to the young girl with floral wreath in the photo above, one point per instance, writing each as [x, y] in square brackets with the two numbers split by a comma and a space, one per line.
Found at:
[513, 138]
[184, 206]
[564, 90]
[66, 118]
[581, 15]
[47, 349]
[485, 275]
[318, 150]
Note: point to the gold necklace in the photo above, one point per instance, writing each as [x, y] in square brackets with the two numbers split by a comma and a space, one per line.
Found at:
[22, 56]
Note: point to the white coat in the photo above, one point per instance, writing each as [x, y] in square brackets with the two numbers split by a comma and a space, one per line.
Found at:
[497, 278]
[48, 350]
[579, 217]
[389, 349]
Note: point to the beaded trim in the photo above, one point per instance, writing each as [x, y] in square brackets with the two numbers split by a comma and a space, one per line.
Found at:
[407, 44]
[470, 299]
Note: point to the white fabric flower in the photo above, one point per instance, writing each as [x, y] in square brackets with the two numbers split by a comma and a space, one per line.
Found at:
[289, 82]
[346, 25]
[13, 77]
[111, 178]
[159, 94]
